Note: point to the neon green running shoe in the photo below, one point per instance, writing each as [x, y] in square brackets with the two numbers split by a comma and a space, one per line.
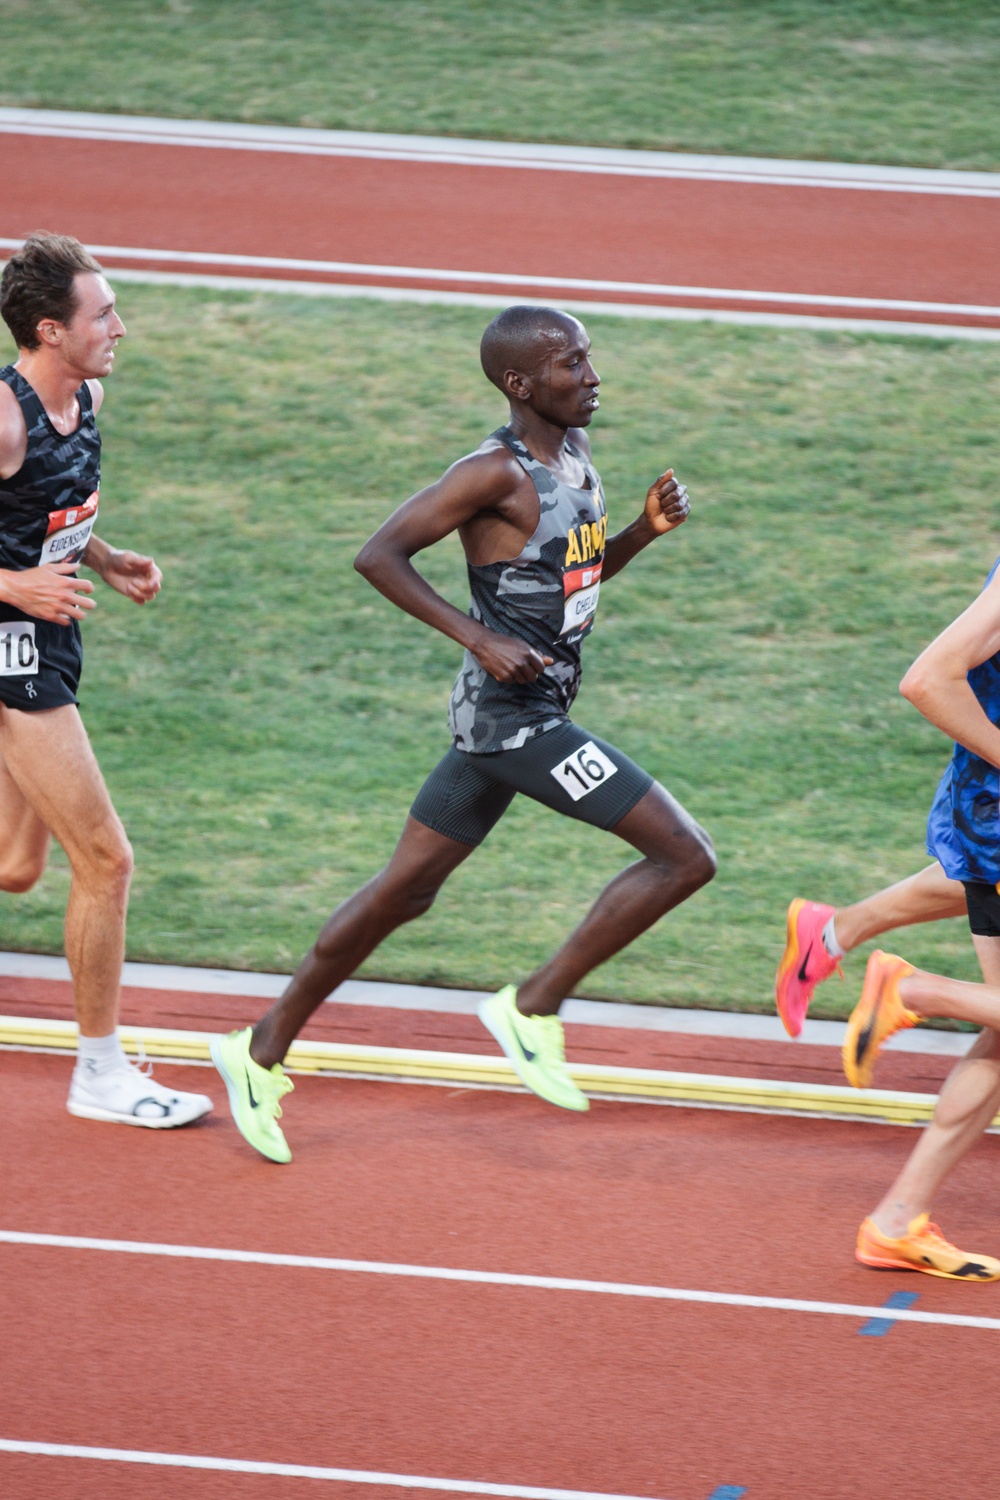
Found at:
[535, 1046]
[253, 1093]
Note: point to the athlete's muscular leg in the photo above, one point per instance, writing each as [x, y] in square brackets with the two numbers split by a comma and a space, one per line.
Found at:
[968, 1102]
[24, 838]
[50, 760]
[679, 860]
[405, 889]
[926, 897]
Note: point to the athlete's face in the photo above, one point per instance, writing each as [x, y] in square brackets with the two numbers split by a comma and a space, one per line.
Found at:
[566, 383]
[88, 341]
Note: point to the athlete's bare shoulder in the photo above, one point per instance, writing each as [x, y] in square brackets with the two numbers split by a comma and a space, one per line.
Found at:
[492, 474]
[13, 433]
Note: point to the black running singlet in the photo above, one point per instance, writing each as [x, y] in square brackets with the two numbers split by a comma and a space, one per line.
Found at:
[548, 597]
[47, 514]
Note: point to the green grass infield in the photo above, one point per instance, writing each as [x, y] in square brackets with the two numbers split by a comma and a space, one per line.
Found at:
[265, 724]
[897, 81]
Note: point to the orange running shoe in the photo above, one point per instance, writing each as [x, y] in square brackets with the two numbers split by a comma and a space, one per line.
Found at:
[805, 963]
[878, 1015]
[923, 1248]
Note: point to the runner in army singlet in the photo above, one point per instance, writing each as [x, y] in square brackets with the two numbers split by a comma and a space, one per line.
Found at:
[529, 509]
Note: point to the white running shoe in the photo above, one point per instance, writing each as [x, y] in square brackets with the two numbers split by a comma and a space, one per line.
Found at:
[127, 1095]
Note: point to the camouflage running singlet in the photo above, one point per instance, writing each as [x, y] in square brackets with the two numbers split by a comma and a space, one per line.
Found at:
[548, 597]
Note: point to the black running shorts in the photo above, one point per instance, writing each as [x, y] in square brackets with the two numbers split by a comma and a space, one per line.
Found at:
[566, 769]
[40, 661]
[983, 901]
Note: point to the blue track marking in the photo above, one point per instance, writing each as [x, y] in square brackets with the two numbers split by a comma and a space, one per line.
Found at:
[728, 1492]
[879, 1326]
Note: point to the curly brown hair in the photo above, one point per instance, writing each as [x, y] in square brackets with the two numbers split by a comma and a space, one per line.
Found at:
[38, 282]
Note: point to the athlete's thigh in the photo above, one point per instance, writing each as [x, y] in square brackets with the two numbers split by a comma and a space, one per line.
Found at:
[21, 829]
[49, 757]
[460, 801]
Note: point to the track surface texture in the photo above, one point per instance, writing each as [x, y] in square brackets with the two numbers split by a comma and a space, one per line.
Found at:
[505, 222]
[503, 1385]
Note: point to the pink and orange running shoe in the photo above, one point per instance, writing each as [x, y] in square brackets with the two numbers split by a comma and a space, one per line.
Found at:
[923, 1248]
[805, 963]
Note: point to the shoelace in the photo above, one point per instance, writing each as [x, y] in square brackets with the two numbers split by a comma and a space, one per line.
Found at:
[279, 1085]
[932, 1233]
[555, 1039]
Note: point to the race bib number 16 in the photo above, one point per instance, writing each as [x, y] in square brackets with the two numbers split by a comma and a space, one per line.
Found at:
[18, 656]
[584, 771]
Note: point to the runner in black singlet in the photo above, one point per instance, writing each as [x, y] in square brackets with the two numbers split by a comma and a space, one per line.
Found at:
[529, 510]
[61, 313]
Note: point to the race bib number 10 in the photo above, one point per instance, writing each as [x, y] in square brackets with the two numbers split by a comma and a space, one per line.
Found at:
[18, 656]
[584, 770]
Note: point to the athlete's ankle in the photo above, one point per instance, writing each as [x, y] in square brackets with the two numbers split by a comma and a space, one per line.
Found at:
[832, 940]
[263, 1050]
[538, 1004]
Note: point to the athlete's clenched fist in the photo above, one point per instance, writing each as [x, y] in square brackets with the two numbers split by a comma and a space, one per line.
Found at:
[508, 659]
[667, 505]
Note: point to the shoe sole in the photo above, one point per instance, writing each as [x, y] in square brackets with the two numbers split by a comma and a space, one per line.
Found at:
[503, 1042]
[788, 962]
[109, 1116]
[214, 1049]
[886, 1264]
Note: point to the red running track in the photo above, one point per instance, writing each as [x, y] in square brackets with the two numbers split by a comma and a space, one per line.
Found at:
[507, 221]
[503, 1385]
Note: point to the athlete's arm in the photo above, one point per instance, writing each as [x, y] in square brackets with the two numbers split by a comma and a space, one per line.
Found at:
[130, 573]
[51, 592]
[937, 683]
[665, 508]
[482, 482]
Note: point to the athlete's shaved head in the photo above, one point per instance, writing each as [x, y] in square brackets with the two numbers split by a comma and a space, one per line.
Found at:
[521, 337]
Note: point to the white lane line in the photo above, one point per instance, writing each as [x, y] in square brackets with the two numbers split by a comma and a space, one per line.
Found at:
[303, 1471]
[490, 1278]
[649, 311]
[515, 279]
[373, 145]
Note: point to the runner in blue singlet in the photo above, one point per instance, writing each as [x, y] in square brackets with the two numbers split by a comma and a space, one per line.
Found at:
[956, 685]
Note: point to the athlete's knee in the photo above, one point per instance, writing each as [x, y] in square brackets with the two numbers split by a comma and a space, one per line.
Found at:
[19, 873]
[415, 900]
[403, 897]
[106, 860]
[702, 861]
[690, 854]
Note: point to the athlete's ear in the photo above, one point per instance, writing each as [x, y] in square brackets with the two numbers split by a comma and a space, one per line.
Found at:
[516, 385]
[48, 330]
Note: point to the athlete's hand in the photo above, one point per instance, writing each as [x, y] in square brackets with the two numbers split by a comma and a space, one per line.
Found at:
[50, 592]
[667, 505]
[133, 575]
[508, 659]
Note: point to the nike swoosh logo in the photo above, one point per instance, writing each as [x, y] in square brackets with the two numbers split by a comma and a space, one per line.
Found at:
[802, 968]
[254, 1103]
[528, 1056]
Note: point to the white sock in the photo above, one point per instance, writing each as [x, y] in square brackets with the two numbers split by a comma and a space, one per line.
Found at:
[830, 943]
[96, 1055]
